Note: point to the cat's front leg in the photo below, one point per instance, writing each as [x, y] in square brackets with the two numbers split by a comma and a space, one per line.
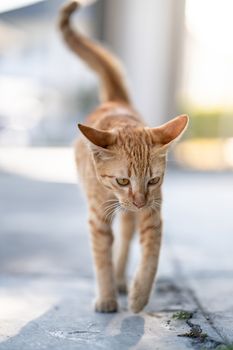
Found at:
[102, 239]
[126, 234]
[150, 239]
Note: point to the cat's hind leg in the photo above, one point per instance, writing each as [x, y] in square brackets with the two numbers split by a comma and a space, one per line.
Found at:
[127, 228]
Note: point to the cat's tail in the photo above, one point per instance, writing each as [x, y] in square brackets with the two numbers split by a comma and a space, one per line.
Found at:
[99, 59]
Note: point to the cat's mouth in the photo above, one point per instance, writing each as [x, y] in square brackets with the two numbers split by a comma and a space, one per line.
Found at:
[154, 205]
[133, 207]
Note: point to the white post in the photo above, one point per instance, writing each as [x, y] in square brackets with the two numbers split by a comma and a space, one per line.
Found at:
[147, 36]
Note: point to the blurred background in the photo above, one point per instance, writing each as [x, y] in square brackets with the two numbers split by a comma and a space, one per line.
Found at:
[175, 63]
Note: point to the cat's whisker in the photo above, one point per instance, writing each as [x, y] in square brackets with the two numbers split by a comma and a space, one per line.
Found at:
[107, 215]
[109, 212]
[110, 208]
[110, 201]
[108, 204]
[157, 203]
[112, 215]
[117, 210]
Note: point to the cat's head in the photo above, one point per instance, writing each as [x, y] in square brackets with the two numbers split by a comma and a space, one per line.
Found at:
[131, 161]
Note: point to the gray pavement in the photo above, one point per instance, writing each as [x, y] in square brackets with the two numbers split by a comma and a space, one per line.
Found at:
[46, 277]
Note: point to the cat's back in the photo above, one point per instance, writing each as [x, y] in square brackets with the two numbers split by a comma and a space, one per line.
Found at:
[112, 115]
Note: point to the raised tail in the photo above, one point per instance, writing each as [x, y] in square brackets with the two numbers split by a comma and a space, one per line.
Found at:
[96, 57]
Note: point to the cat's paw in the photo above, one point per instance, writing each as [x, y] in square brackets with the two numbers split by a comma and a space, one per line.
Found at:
[137, 300]
[122, 287]
[107, 305]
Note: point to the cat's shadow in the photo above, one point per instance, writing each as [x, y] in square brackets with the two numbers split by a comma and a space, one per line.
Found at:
[131, 332]
[81, 330]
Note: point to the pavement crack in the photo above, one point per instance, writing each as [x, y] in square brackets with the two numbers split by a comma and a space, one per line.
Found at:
[84, 332]
[207, 317]
[195, 333]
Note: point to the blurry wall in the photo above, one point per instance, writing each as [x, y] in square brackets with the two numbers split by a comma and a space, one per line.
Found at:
[148, 37]
[44, 88]
[206, 88]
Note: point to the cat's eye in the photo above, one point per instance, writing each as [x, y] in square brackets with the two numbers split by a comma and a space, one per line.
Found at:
[122, 182]
[154, 181]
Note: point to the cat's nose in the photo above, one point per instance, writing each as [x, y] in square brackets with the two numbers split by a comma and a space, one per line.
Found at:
[139, 201]
[139, 205]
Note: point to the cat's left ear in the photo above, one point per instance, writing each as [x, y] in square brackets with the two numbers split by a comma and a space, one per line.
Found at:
[167, 133]
[100, 138]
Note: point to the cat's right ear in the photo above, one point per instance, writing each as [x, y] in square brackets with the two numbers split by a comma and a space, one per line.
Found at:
[167, 133]
[100, 138]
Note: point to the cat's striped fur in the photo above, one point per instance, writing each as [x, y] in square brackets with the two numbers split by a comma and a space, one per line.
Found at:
[117, 147]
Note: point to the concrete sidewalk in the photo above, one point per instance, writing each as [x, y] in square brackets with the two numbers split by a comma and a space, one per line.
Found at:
[46, 279]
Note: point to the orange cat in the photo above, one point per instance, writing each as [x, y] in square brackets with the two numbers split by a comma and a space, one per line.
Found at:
[121, 163]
